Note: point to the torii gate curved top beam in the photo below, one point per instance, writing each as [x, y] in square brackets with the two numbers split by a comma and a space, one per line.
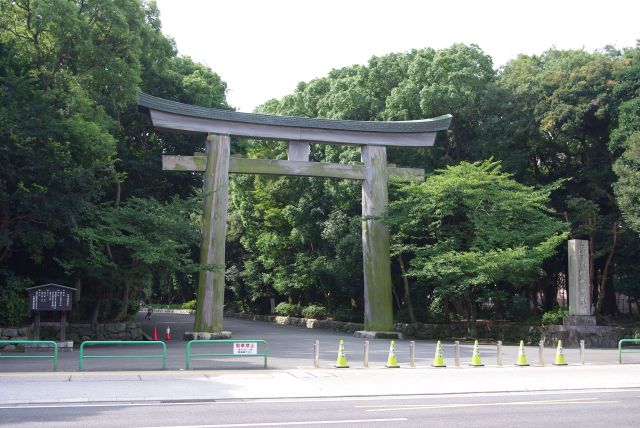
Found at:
[185, 117]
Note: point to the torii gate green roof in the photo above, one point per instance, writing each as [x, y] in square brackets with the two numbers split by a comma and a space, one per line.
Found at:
[197, 115]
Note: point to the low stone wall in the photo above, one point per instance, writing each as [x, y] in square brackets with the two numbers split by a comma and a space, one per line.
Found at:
[345, 327]
[14, 333]
[77, 332]
[507, 332]
[593, 336]
[488, 331]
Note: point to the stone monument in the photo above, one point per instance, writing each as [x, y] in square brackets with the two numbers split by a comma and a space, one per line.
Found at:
[579, 285]
[580, 324]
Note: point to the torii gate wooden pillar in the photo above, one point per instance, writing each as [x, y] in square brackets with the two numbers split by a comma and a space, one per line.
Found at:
[373, 137]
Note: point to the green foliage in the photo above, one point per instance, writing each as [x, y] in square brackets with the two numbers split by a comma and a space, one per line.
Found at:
[82, 195]
[134, 307]
[288, 310]
[191, 305]
[471, 227]
[627, 188]
[555, 316]
[317, 312]
[13, 299]
[347, 315]
[517, 308]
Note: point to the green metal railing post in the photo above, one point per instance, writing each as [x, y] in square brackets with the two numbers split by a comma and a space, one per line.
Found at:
[620, 351]
[265, 350]
[33, 342]
[124, 342]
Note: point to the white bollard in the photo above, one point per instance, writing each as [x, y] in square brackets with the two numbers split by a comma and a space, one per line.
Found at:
[582, 352]
[412, 353]
[366, 354]
[541, 352]
[316, 354]
[499, 353]
[456, 353]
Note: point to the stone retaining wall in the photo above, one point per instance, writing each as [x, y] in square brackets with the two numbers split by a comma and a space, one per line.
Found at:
[507, 332]
[77, 332]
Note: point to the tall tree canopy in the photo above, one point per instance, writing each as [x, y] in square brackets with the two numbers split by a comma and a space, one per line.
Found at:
[74, 148]
[469, 232]
[78, 161]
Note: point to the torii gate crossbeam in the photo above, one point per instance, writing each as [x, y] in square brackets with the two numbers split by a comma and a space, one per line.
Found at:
[373, 137]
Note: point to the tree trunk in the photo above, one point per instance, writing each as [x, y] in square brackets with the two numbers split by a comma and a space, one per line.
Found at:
[472, 316]
[602, 284]
[124, 312]
[395, 295]
[407, 296]
[94, 314]
[592, 263]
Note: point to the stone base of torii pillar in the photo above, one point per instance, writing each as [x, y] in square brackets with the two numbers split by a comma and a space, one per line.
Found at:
[204, 335]
[378, 334]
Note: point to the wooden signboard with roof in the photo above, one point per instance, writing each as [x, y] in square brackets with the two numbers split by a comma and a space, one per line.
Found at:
[50, 297]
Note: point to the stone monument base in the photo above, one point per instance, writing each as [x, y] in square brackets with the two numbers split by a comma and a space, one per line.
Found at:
[203, 335]
[378, 334]
[594, 336]
[579, 320]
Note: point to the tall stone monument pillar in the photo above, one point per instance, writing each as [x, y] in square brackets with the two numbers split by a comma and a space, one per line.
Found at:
[579, 285]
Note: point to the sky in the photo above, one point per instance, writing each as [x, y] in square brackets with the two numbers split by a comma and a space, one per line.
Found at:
[262, 49]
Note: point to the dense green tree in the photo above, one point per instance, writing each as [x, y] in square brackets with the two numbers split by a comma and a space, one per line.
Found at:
[470, 231]
[72, 139]
[557, 114]
[625, 139]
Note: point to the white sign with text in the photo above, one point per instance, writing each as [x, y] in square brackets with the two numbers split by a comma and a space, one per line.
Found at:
[245, 348]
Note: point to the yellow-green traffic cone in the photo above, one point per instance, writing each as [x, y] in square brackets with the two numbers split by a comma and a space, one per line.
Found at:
[342, 357]
[438, 360]
[559, 356]
[522, 358]
[392, 362]
[475, 358]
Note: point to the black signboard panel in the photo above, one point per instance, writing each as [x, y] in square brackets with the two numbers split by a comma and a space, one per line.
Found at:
[50, 298]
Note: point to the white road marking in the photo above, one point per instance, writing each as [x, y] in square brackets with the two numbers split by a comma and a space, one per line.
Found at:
[279, 424]
[387, 408]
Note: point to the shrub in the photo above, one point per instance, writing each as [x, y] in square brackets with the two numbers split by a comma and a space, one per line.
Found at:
[517, 308]
[348, 315]
[288, 310]
[134, 306]
[191, 304]
[13, 299]
[554, 316]
[317, 312]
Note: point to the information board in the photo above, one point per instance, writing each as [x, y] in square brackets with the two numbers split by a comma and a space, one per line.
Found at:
[245, 348]
[50, 297]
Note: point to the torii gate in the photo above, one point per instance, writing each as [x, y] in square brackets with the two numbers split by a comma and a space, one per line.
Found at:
[372, 137]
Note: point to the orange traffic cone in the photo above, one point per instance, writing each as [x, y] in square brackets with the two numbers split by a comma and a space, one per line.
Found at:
[155, 332]
[167, 335]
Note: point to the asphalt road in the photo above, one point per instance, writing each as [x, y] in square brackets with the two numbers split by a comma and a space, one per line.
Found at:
[289, 348]
[292, 347]
[558, 409]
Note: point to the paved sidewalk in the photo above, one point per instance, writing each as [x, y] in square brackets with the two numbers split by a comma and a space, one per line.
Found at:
[32, 388]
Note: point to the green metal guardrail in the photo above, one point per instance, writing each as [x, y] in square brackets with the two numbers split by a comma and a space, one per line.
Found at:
[620, 350]
[124, 342]
[265, 349]
[33, 342]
